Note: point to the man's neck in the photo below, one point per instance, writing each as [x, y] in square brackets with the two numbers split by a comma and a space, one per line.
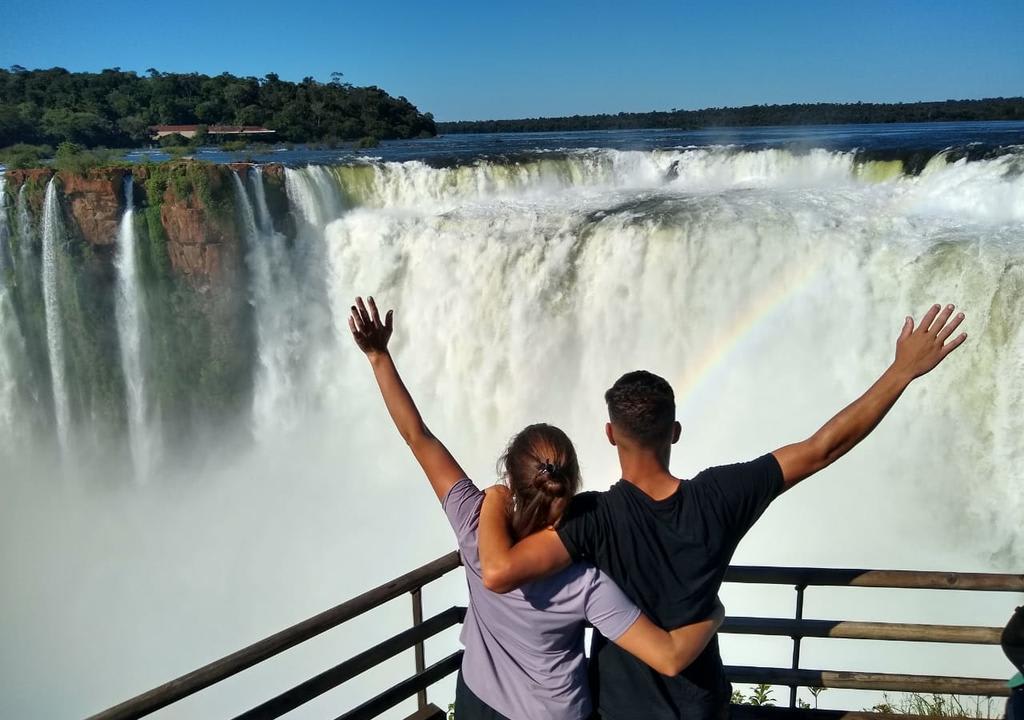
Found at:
[649, 473]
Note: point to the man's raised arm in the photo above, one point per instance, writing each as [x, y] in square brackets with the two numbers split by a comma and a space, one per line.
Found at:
[918, 351]
[505, 567]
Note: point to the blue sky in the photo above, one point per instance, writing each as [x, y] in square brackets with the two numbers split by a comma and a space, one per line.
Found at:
[473, 60]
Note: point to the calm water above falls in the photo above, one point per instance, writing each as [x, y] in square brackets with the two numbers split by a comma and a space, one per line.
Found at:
[446, 149]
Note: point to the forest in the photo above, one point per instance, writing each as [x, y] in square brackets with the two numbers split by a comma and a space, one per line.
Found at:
[115, 108]
[759, 115]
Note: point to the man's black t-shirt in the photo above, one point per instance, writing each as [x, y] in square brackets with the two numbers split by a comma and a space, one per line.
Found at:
[669, 556]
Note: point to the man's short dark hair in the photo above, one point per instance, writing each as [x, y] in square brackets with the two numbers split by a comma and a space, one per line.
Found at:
[644, 406]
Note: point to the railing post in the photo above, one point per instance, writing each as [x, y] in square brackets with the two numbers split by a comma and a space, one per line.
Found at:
[796, 640]
[417, 619]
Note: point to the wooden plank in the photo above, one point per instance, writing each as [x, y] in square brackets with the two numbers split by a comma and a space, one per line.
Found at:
[869, 681]
[913, 579]
[345, 671]
[862, 630]
[259, 651]
[405, 689]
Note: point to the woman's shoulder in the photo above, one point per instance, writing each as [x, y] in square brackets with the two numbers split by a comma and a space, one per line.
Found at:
[462, 505]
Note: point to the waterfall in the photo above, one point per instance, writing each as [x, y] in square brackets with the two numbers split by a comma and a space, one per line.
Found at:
[263, 219]
[7, 260]
[725, 275]
[767, 286]
[282, 307]
[315, 193]
[26, 235]
[10, 334]
[130, 310]
[53, 235]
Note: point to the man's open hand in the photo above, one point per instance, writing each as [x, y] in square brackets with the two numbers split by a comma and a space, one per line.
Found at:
[919, 350]
[370, 334]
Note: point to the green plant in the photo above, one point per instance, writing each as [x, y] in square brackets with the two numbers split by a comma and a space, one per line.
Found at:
[369, 141]
[75, 158]
[762, 695]
[935, 705]
[172, 140]
[201, 137]
[22, 155]
[177, 152]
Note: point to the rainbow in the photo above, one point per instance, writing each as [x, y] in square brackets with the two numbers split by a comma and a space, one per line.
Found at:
[760, 307]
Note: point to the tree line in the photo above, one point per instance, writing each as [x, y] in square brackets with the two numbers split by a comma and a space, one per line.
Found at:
[760, 115]
[115, 108]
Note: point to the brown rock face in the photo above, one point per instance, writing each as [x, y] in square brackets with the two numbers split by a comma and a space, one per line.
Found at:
[203, 245]
[193, 244]
[37, 177]
[20, 177]
[275, 171]
[95, 201]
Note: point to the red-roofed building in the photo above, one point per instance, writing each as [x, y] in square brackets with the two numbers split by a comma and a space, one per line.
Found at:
[159, 131]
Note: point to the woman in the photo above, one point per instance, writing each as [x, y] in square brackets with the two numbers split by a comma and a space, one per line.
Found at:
[524, 650]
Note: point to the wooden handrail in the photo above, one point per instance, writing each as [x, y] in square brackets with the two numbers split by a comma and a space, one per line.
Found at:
[848, 577]
[862, 630]
[259, 651]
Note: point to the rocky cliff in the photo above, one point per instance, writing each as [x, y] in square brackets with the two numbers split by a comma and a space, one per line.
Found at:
[191, 250]
[191, 202]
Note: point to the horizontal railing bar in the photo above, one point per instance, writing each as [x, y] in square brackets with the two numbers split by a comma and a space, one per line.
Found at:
[345, 671]
[259, 651]
[770, 712]
[911, 579]
[862, 630]
[405, 689]
[868, 681]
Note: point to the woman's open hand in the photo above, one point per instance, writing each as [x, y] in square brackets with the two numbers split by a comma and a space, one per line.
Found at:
[370, 334]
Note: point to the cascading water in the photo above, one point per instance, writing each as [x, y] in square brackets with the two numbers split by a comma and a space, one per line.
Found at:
[10, 333]
[25, 224]
[767, 286]
[6, 257]
[263, 219]
[53, 235]
[280, 313]
[130, 309]
[300, 298]
[715, 251]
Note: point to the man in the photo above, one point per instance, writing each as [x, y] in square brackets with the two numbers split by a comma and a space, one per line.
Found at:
[1012, 641]
[667, 542]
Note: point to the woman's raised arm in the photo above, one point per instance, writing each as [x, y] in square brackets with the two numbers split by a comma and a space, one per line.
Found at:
[372, 336]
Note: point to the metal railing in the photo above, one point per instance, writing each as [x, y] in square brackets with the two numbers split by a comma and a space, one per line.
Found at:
[794, 676]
